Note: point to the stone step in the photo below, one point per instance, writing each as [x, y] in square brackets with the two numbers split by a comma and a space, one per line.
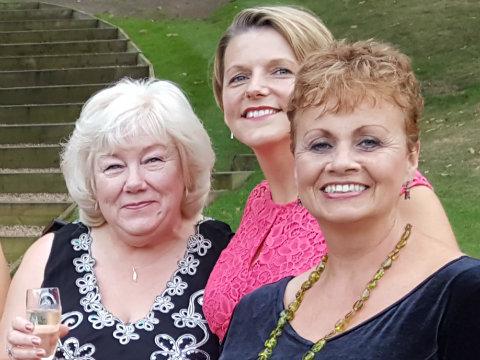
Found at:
[42, 113]
[32, 180]
[44, 62]
[19, 25]
[34, 213]
[43, 36]
[64, 47]
[19, 5]
[42, 13]
[35, 133]
[245, 162]
[48, 94]
[77, 76]
[30, 156]
[229, 180]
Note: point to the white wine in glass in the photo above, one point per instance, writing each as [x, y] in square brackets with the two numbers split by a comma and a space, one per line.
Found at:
[44, 311]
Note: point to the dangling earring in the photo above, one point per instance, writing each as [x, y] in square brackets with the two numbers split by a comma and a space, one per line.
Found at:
[186, 193]
[231, 135]
[299, 202]
[406, 194]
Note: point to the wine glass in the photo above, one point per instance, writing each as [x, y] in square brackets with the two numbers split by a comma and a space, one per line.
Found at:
[44, 311]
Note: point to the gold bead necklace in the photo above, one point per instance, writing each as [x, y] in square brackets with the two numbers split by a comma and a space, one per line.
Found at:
[288, 314]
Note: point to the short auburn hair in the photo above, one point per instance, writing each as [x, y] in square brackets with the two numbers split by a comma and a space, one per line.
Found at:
[344, 75]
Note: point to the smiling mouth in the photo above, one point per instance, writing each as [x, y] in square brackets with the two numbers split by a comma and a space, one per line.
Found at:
[344, 188]
[139, 205]
[252, 114]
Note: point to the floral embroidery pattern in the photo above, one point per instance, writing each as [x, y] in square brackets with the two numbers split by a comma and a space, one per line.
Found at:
[100, 317]
[73, 351]
[186, 344]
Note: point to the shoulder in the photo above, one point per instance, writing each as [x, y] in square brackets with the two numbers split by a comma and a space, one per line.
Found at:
[465, 278]
[264, 297]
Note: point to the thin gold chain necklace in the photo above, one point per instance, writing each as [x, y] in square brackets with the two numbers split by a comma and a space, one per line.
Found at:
[288, 314]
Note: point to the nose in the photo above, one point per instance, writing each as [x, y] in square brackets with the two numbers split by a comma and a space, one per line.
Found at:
[343, 161]
[135, 181]
[257, 87]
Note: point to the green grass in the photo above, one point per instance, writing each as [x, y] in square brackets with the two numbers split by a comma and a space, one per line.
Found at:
[443, 40]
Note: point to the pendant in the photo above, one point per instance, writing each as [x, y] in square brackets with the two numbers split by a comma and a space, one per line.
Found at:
[134, 274]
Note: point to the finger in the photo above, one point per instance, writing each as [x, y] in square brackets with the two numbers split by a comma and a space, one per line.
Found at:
[64, 330]
[22, 324]
[27, 353]
[18, 338]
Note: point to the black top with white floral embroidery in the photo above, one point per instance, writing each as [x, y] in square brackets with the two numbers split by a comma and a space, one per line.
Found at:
[174, 328]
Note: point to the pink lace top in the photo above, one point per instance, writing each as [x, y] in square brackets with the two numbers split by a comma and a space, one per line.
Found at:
[273, 241]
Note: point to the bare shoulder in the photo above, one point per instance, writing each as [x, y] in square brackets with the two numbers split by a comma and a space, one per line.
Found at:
[426, 213]
[35, 259]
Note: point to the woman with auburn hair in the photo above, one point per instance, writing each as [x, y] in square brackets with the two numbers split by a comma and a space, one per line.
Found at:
[254, 71]
[4, 280]
[355, 138]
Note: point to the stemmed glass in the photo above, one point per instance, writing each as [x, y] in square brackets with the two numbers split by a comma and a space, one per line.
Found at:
[44, 311]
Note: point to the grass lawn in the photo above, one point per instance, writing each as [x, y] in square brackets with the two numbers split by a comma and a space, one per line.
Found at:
[441, 36]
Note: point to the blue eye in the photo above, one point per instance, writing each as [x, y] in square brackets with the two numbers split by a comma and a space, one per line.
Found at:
[369, 143]
[237, 78]
[282, 71]
[320, 146]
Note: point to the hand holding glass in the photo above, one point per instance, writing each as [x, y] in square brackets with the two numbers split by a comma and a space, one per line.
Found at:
[44, 311]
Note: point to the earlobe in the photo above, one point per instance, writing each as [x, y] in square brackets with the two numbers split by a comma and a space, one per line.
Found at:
[413, 158]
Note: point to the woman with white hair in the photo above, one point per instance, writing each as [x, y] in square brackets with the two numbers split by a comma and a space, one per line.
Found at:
[132, 272]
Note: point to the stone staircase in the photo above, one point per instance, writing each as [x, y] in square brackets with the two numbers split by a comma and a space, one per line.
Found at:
[51, 60]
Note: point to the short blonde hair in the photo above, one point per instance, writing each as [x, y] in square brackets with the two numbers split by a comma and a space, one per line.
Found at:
[302, 29]
[131, 108]
[344, 75]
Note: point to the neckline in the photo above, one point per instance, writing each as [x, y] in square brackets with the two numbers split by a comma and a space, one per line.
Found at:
[292, 332]
[162, 302]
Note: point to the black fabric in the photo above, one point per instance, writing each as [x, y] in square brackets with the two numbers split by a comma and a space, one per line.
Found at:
[177, 326]
[439, 319]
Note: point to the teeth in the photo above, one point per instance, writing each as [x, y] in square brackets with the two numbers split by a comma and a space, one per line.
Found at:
[345, 188]
[258, 113]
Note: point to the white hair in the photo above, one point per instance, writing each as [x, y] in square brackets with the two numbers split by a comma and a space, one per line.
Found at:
[115, 116]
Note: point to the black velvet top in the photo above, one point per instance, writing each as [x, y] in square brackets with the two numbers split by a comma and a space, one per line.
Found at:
[439, 319]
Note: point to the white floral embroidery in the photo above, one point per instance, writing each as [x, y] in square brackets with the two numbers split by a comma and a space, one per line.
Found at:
[72, 319]
[72, 350]
[186, 344]
[87, 283]
[101, 317]
[188, 265]
[82, 242]
[125, 332]
[163, 304]
[91, 302]
[148, 322]
[84, 263]
[176, 286]
[198, 244]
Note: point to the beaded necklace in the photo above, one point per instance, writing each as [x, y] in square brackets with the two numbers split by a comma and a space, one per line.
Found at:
[288, 314]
